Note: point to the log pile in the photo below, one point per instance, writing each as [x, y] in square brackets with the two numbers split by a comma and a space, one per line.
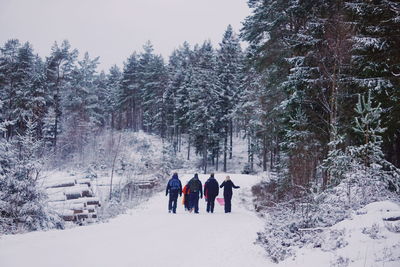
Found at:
[74, 200]
[138, 187]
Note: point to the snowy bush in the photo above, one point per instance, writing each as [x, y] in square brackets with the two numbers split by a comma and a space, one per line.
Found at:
[279, 243]
[340, 261]
[22, 200]
[393, 227]
[389, 254]
[296, 216]
[373, 231]
[333, 240]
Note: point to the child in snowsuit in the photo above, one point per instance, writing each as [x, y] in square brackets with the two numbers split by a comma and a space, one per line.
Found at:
[185, 199]
[196, 189]
[211, 191]
[228, 185]
[174, 187]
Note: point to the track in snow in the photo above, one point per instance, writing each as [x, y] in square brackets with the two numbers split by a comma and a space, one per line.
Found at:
[149, 236]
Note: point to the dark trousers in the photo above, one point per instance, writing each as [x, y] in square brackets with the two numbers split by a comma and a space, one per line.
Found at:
[228, 205]
[186, 203]
[210, 203]
[194, 201]
[173, 199]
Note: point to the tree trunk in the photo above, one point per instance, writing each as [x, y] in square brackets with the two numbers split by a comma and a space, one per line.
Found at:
[251, 156]
[265, 152]
[112, 120]
[113, 165]
[396, 160]
[188, 154]
[271, 165]
[248, 148]
[231, 137]
[55, 133]
[217, 160]
[180, 140]
[225, 148]
[205, 159]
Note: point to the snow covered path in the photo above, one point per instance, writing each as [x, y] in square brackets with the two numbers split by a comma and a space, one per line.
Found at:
[149, 236]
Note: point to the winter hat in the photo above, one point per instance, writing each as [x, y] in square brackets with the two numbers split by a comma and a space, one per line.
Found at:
[196, 176]
[212, 175]
[175, 176]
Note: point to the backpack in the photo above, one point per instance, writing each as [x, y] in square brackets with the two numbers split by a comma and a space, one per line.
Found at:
[174, 184]
[195, 185]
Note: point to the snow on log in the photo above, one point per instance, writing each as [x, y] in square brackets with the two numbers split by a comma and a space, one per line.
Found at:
[67, 205]
[92, 200]
[73, 199]
[84, 181]
[68, 218]
[56, 196]
[392, 219]
[78, 189]
[73, 196]
[61, 183]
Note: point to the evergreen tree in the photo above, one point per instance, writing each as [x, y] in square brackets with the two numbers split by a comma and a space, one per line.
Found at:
[229, 75]
[113, 87]
[249, 113]
[376, 62]
[204, 114]
[8, 67]
[129, 97]
[180, 83]
[368, 152]
[60, 65]
[152, 80]
[82, 105]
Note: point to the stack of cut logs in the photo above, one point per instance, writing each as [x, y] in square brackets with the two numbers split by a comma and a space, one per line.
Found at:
[73, 199]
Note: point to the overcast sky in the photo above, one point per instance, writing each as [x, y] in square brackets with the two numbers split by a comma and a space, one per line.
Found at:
[113, 29]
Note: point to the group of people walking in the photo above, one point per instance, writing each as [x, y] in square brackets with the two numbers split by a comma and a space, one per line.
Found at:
[193, 191]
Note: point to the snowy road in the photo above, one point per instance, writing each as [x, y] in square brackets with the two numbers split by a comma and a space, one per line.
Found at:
[149, 236]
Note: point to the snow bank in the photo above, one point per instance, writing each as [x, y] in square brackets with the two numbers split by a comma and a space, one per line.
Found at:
[371, 237]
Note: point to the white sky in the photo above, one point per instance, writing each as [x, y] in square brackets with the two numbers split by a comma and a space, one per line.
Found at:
[113, 29]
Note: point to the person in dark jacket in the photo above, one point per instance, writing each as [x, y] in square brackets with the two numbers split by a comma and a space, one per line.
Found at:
[228, 185]
[211, 191]
[174, 188]
[196, 190]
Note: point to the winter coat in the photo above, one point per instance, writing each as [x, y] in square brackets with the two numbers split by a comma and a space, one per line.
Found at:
[185, 192]
[195, 186]
[211, 187]
[228, 185]
[174, 186]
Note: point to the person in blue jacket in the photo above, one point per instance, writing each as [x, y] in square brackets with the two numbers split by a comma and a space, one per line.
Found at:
[228, 185]
[196, 190]
[174, 188]
[211, 191]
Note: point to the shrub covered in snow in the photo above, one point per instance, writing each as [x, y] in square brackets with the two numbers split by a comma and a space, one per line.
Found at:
[296, 216]
[22, 199]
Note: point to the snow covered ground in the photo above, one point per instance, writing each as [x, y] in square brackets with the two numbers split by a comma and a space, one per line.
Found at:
[366, 239]
[149, 236]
